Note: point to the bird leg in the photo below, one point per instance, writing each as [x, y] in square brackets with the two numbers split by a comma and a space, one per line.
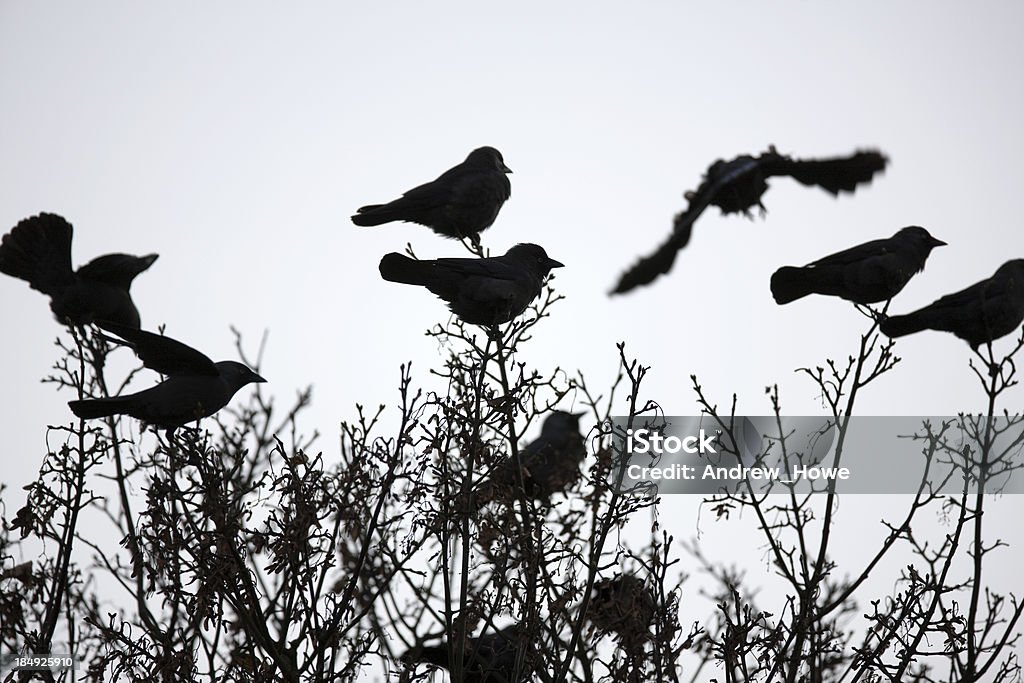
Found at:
[473, 245]
[876, 315]
[990, 362]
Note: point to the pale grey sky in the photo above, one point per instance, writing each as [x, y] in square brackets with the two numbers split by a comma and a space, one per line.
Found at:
[235, 139]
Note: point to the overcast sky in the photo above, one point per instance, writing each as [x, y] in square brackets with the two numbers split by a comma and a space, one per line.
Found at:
[235, 139]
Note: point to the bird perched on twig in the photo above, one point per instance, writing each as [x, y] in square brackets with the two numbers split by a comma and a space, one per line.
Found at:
[461, 203]
[38, 250]
[736, 186]
[481, 291]
[982, 313]
[550, 463]
[868, 273]
[491, 657]
[195, 386]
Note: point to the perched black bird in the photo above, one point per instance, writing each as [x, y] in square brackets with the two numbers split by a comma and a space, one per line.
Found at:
[195, 386]
[866, 274]
[38, 250]
[550, 463]
[983, 312]
[482, 291]
[462, 202]
[736, 187]
[623, 605]
[491, 657]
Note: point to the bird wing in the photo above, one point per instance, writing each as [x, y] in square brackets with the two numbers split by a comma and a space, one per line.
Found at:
[856, 254]
[835, 175]
[111, 268]
[38, 250]
[162, 354]
[988, 289]
[441, 189]
[647, 269]
[497, 267]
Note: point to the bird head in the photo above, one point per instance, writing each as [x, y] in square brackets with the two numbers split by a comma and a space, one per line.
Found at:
[237, 375]
[560, 421]
[533, 257]
[489, 158]
[921, 237]
[116, 269]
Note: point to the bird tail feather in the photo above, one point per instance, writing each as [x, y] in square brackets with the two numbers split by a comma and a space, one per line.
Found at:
[395, 267]
[789, 284]
[38, 250]
[378, 214]
[839, 175]
[92, 408]
[899, 325]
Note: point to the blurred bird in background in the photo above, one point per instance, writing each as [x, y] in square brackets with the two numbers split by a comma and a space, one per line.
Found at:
[491, 657]
[736, 186]
[623, 605]
[549, 464]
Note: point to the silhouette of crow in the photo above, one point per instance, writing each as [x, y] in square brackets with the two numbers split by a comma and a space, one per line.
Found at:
[482, 291]
[491, 657]
[38, 250]
[550, 463]
[983, 312]
[736, 186]
[623, 605]
[462, 202]
[866, 274]
[195, 386]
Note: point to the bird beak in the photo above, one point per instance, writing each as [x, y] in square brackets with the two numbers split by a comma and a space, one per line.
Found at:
[257, 378]
[936, 243]
[552, 263]
[505, 168]
[579, 414]
[146, 261]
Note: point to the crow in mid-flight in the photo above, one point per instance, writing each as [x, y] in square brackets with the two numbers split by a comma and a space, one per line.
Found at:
[868, 273]
[736, 186]
[550, 463]
[491, 657]
[38, 250]
[481, 291]
[982, 313]
[462, 202]
[195, 386]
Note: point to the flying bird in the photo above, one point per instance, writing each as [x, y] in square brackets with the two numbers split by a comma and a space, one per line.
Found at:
[736, 186]
[550, 463]
[982, 313]
[195, 387]
[462, 202]
[38, 250]
[491, 657]
[481, 291]
[868, 273]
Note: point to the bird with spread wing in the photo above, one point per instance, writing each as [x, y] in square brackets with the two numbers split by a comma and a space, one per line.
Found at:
[737, 186]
